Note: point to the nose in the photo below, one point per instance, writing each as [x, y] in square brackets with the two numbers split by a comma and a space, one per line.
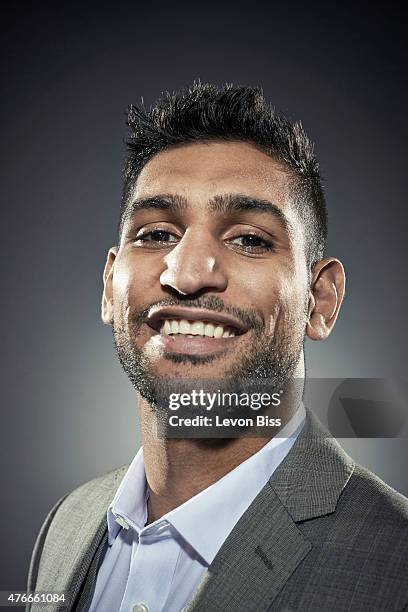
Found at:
[195, 265]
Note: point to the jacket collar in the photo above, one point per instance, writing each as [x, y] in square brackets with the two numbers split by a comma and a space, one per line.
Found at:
[310, 480]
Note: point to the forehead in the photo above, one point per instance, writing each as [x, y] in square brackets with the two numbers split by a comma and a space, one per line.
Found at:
[200, 171]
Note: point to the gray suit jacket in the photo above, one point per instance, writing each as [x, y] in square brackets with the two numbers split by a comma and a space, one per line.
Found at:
[323, 534]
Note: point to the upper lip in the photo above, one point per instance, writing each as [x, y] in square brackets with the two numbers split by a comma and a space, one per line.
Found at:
[159, 314]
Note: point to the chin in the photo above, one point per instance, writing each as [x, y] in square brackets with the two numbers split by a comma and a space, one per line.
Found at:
[191, 366]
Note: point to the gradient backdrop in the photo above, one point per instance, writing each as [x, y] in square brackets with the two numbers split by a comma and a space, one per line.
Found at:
[68, 413]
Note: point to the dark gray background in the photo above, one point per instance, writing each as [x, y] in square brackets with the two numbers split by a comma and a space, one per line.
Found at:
[68, 412]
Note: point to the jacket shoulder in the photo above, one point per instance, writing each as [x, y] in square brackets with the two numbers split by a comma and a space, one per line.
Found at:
[90, 498]
[361, 547]
[371, 522]
[88, 493]
[64, 521]
[367, 489]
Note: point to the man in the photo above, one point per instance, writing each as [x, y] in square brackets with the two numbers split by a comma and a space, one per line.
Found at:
[218, 276]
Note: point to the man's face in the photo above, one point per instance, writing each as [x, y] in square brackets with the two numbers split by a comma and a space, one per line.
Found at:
[211, 246]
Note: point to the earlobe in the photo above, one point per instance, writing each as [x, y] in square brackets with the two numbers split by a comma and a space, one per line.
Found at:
[326, 295]
[107, 295]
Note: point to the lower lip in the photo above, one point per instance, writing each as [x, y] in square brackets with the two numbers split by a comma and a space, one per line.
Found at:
[196, 345]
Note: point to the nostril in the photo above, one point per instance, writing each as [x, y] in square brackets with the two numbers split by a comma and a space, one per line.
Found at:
[192, 272]
[175, 288]
[167, 280]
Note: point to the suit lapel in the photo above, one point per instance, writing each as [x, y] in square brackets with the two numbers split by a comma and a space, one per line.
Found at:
[255, 561]
[266, 546]
[311, 478]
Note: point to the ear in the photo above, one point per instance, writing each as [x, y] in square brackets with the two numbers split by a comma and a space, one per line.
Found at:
[326, 295]
[107, 296]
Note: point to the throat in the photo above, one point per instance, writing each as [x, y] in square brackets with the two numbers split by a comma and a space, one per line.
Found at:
[177, 470]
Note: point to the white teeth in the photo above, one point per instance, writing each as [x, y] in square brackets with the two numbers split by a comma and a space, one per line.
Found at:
[209, 330]
[218, 331]
[197, 328]
[194, 328]
[184, 327]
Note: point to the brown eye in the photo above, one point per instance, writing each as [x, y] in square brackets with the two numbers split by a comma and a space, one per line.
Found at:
[252, 242]
[158, 236]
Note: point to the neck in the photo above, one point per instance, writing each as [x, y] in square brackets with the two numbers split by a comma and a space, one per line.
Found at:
[179, 469]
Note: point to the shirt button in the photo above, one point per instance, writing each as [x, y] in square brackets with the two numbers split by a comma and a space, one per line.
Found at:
[140, 607]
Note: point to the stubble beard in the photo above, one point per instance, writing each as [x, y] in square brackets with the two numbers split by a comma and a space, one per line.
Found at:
[270, 363]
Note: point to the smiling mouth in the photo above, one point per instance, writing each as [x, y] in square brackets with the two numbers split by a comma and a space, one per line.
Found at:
[194, 331]
[205, 329]
[175, 321]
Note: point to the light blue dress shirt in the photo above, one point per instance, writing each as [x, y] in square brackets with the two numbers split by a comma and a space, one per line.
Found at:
[157, 568]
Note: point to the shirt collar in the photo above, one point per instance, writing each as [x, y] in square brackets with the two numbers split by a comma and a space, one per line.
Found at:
[206, 519]
[129, 503]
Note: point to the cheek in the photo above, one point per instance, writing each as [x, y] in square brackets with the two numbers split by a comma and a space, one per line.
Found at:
[125, 295]
[276, 307]
[279, 297]
[266, 287]
[290, 315]
[134, 281]
[121, 280]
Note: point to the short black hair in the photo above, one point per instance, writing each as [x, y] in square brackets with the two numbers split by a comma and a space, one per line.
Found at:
[206, 112]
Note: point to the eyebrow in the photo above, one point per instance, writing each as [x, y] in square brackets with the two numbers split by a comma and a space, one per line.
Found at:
[225, 204]
[235, 202]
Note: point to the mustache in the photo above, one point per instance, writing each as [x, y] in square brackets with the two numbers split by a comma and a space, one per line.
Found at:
[249, 317]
